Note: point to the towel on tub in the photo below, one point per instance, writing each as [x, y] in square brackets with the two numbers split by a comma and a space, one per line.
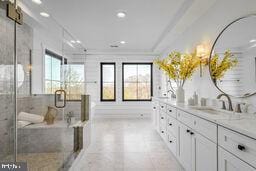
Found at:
[22, 124]
[33, 118]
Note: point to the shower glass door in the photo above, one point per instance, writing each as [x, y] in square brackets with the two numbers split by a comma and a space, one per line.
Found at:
[7, 86]
[44, 138]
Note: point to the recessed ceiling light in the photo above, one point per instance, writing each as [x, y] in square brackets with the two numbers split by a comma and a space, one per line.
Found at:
[37, 1]
[72, 41]
[78, 41]
[253, 40]
[44, 14]
[122, 42]
[121, 14]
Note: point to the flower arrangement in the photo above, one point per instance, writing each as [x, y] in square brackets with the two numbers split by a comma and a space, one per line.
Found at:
[219, 67]
[179, 67]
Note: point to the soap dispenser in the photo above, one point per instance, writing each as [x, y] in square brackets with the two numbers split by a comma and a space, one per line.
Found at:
[195, 97]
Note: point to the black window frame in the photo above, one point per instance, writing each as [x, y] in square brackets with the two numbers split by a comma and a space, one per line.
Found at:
[101, 81]
[151, 80]
[58, 57]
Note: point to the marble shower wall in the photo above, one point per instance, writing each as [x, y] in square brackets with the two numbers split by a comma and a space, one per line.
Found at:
[7, 100]
[6, 85]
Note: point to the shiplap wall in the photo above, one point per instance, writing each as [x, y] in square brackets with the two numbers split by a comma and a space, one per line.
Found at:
[118, 108]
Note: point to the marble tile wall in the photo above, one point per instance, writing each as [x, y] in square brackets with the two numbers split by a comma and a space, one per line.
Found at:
[6, 85]
[7, 100]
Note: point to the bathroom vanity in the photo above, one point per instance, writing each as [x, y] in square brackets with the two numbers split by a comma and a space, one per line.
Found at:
[204, 139]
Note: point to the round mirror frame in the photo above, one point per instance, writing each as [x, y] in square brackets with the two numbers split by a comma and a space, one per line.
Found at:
[215, 42]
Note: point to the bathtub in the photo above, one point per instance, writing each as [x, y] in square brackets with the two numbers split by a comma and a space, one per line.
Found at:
[43, 138]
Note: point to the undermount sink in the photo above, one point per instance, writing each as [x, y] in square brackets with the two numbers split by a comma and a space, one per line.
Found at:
[163, 97]
[211, 111]
[229, 114]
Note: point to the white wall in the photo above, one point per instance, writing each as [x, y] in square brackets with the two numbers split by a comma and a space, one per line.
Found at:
[205, 30]
[118, 108]
[42, 41]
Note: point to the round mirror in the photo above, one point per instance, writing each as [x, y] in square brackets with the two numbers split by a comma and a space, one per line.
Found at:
[233, 58]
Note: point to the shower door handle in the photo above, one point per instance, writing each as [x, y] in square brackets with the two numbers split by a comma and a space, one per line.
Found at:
[56, 96]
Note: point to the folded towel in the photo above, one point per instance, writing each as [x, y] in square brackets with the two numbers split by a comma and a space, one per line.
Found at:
[33, 118]
[22, 124]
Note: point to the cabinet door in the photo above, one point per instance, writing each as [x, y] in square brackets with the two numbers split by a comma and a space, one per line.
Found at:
[185, 147]
[154, 115]
[204, 154]
[228, 162]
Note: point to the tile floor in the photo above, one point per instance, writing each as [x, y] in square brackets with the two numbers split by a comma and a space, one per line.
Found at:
[126, 144]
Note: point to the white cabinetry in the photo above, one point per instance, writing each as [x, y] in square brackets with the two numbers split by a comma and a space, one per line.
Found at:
[196, 152]
[228, 162]
[185, 147]
[202, 145]
[204, 154]
[155, 116]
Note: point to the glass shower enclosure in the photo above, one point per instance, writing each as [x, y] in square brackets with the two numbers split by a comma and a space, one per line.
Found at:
[28, 82]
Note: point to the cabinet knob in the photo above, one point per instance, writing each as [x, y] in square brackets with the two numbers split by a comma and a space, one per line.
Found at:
[241, 147]
[162, 106]
[162, 131]
[170, 141]
[170, 110]
[170, 124]
[191, 133]
[154, 107]
[162, 117]
[188, 130]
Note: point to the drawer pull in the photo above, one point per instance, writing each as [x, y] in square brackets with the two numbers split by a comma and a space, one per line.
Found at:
[170, 124]
[170, 110]
[188, 130]
[241, 147]
[191, 133]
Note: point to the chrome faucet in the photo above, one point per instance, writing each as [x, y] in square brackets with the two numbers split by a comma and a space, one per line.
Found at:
[230, 108]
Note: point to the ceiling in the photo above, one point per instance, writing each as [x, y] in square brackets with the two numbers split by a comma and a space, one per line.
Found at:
[150, 25]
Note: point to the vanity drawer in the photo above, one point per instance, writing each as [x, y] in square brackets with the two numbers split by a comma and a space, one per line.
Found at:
[162, 107]
[172, 143]
[206, 128]
[163, 133]
[172, 126]
[241, 146]
[186, 118]
[163, 119]
[171, 111]
[202, 126]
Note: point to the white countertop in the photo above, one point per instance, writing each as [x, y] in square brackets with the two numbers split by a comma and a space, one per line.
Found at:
[241, 123]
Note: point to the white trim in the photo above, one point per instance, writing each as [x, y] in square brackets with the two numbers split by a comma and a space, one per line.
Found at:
[43, 68]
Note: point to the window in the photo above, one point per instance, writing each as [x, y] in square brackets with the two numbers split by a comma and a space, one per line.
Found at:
[53, 64]
[108, 81]
[137, 81]
[74, 81]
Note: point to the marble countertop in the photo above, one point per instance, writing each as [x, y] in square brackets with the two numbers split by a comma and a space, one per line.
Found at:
[241, 123]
